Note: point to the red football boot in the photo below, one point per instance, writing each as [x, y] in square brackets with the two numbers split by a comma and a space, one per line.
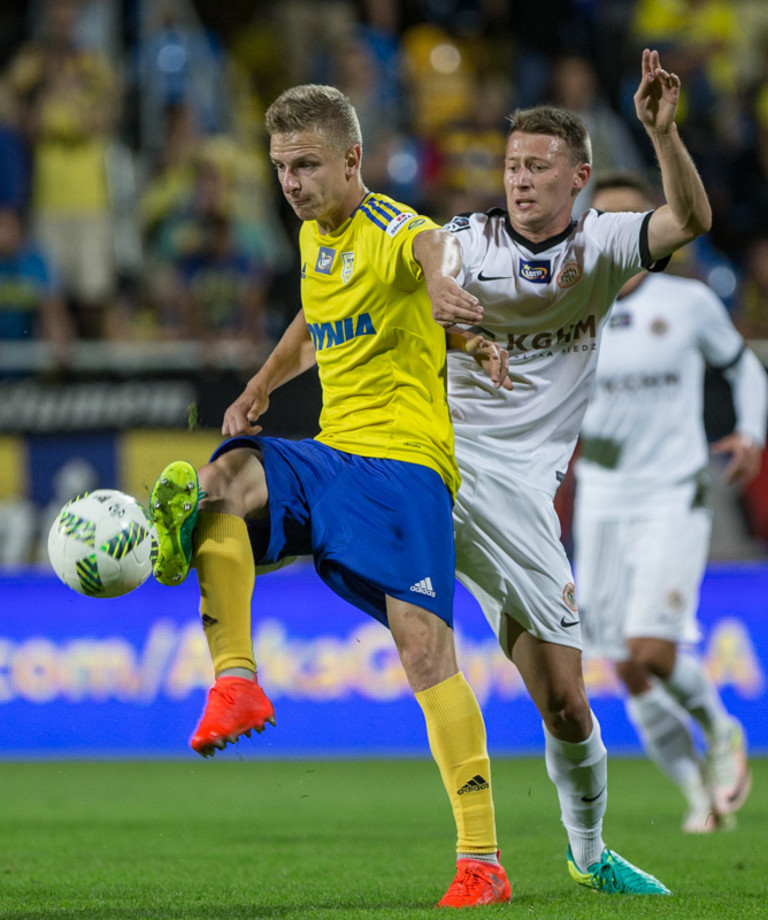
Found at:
[477, 883]
[236, 706]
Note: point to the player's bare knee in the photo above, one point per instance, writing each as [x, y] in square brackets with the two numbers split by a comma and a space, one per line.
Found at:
[424, 643]
[234, 483]
[418, 667]
[569, 717]
[425, 665]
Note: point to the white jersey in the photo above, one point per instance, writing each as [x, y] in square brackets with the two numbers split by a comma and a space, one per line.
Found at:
[547, 304]
[643, 432]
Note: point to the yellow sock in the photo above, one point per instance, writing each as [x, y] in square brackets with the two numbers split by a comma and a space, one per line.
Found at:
[225, 569]
[456, 734]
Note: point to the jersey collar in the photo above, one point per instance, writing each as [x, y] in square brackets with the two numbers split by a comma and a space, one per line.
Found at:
[529, 244]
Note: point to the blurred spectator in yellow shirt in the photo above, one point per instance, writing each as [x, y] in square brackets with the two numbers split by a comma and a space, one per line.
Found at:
[68, 98]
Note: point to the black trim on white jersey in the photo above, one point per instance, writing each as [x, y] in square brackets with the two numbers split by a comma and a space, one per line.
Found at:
[645, 254]
[732, 363]
[524, 241]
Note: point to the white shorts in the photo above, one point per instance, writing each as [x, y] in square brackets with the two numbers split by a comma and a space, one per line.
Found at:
[639, 576]
[509, 556]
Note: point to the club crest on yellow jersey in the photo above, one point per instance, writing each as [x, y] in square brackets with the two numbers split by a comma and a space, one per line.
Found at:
[347, 266]
[325, 259]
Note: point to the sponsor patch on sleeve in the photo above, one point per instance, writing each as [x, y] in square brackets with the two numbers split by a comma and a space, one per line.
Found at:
[397, 223]
[458, 223]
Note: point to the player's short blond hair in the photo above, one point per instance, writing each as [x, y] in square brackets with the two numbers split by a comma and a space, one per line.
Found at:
[562, 123]
[313, 107]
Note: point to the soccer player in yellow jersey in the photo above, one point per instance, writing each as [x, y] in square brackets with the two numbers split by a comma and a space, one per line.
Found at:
[370, 497]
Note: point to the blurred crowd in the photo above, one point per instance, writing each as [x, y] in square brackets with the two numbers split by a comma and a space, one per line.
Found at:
[136, 196]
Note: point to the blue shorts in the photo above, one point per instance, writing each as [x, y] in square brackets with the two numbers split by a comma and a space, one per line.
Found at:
[374, 527]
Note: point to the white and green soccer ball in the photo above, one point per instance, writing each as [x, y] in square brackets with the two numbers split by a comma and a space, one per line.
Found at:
[102, 544]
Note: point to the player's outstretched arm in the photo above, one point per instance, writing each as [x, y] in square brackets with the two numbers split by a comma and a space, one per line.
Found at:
[439, 254]
[687, 213]
[293, 354]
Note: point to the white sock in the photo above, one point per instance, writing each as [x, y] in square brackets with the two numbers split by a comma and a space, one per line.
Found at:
[665, 733]
[236, 672]
[489, 858]
[579, 771]
[691, 686]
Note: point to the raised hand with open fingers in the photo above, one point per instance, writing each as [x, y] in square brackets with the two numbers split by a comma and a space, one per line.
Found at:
[658, 94]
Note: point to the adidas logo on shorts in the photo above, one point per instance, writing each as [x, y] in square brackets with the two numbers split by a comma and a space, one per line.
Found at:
[424, 587]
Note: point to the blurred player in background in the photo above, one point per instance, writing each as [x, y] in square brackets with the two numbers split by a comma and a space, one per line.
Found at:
[546, 283]
[370, 498]
[643, 523]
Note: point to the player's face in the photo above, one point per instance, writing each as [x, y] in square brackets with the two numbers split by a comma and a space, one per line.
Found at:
[541, 181]
[319, 183]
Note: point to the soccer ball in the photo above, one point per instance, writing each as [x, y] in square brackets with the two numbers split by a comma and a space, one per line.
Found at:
[102, 544]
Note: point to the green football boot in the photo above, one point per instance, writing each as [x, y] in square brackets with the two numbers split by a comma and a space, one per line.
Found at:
[173, 505]
[614, 875]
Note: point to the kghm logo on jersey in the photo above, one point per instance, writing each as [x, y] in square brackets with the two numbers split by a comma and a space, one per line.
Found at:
[347, 266]
[325, 257]
[567, 338]
[327, 335]
[569, 275]
[638, 383]
[536, 272]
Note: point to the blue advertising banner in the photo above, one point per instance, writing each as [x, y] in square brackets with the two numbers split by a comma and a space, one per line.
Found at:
[61, 466]
[127, 677]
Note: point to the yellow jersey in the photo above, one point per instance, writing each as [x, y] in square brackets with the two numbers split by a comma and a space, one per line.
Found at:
[380, 355]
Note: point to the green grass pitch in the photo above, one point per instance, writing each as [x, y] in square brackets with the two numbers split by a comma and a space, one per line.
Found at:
[349, 840]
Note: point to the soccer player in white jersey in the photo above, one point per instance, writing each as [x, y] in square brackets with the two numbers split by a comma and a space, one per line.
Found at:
[370, 497]
[642, 522]
[546, 284]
